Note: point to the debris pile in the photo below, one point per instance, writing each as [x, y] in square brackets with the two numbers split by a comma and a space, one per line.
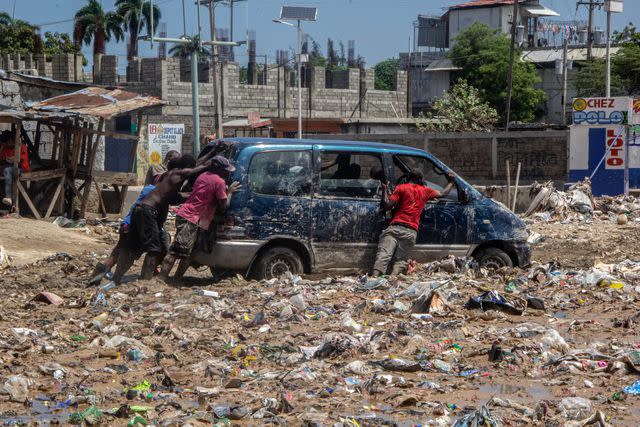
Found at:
[579, 204]
[449, 344]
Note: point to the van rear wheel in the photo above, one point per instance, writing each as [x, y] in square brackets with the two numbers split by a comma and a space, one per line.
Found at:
[493, 258]
[275, 262]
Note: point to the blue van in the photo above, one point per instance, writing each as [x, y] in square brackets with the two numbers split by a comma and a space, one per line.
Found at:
[310, 206]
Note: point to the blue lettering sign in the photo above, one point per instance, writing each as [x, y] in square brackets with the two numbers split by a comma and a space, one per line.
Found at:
[598, 118]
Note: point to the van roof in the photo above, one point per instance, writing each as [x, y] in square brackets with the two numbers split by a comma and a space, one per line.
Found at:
[335, 143]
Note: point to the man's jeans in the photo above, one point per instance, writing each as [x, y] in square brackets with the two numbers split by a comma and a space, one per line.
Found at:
[395, 244]
[8, 181]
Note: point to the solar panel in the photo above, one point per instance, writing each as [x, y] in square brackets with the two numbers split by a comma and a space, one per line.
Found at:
[296, 13]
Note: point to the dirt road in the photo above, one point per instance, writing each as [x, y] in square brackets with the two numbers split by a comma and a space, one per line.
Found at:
[301, 352]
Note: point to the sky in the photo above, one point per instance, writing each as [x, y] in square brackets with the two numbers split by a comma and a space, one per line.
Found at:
[381, 28]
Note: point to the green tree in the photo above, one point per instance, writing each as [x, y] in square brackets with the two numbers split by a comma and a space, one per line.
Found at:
[625, 74]
[316, 58]
[628, 35]
[93, 24]
[333, 59]
[461, 109]
[55, 42]
[385, 74]
[483, 58]
[16, 35]
[136, 14]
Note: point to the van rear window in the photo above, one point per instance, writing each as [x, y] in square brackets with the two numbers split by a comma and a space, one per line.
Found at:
[281, 173]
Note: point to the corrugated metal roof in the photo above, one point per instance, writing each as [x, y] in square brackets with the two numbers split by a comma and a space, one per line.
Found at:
[98, 102]
[538, 56]
[444, 64]
[481, 3]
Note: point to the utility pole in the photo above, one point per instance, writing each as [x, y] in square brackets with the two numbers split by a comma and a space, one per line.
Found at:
[512, 52]
[194, 69]
[217, 116]
[299, 80]
[565, 72]
[608, 72]
[590, 37]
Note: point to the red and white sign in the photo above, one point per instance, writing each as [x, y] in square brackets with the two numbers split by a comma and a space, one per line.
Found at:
[615, 156]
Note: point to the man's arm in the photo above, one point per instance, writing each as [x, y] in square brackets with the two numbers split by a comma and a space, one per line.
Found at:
[451, 177]
[224, 204]
[185, 173]
[206, 157]
[387, 203]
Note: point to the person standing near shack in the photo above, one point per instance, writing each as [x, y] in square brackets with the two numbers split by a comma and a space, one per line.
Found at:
[7, 154]
[407, 202]
[209, 195]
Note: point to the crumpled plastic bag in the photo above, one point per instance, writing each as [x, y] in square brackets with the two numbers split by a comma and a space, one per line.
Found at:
[492, 300]
[480, 418]
[576, 408]
[17, 387]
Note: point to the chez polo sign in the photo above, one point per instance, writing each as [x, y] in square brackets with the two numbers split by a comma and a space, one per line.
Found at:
[602, 111]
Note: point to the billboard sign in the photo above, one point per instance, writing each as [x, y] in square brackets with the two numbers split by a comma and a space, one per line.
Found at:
[602, 111]
[162, 139]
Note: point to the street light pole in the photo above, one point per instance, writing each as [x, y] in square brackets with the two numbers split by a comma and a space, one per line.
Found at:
[608, 77]
[299, 80]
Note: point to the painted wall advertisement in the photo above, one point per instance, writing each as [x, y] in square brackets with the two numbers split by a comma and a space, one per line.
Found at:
[162, 139]
[600, 127]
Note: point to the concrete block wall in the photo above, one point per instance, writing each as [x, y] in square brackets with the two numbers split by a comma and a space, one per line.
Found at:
[480, 158]
[63, 67]
[109, 72]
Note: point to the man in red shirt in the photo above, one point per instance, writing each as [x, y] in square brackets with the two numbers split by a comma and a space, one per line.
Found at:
[7, 154]
[209, 195]
[407, 201]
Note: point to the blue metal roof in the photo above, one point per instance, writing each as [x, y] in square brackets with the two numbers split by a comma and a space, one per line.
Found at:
[324, 142]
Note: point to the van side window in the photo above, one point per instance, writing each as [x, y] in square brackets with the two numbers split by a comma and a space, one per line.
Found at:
[281, 173]
[434, 177]
[348, 174]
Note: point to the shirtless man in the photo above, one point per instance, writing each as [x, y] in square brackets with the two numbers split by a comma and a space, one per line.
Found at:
[150, 215]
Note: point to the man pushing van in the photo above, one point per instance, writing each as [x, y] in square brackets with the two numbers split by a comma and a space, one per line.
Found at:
[407, 202]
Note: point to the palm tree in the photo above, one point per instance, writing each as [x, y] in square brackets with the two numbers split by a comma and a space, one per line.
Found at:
[184, 50]
[136, 13]
[5, 18]
[93, 24]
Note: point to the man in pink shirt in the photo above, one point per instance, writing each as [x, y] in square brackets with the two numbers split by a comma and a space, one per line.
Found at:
[209, 195]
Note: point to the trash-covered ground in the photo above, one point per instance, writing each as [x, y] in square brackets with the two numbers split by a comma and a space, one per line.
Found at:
[556, 344]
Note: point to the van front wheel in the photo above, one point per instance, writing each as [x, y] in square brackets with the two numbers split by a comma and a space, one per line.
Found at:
[493, 258]
[275, 262]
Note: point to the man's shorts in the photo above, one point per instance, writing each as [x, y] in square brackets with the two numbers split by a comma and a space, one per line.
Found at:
[186, 238]
[145, 230]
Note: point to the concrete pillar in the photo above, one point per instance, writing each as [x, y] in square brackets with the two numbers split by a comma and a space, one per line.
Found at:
[63, 67]
[97, 68]
[28, 61]
[133, 70]
[109, 72]
[41, 64]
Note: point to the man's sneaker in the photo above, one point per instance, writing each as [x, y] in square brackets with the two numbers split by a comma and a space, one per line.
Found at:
[6, 201]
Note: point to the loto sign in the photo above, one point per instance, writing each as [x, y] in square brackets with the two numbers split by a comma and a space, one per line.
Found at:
[602, 111]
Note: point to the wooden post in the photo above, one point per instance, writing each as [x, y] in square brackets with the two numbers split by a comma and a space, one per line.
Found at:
[508, 184]
[515, 192]
[92, 146]
[16, 164]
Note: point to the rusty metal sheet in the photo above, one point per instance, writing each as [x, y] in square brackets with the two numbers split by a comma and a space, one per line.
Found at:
[97, 102]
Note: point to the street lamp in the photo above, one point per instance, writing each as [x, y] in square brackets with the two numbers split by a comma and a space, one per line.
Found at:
[611, 6]
[298, 14]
